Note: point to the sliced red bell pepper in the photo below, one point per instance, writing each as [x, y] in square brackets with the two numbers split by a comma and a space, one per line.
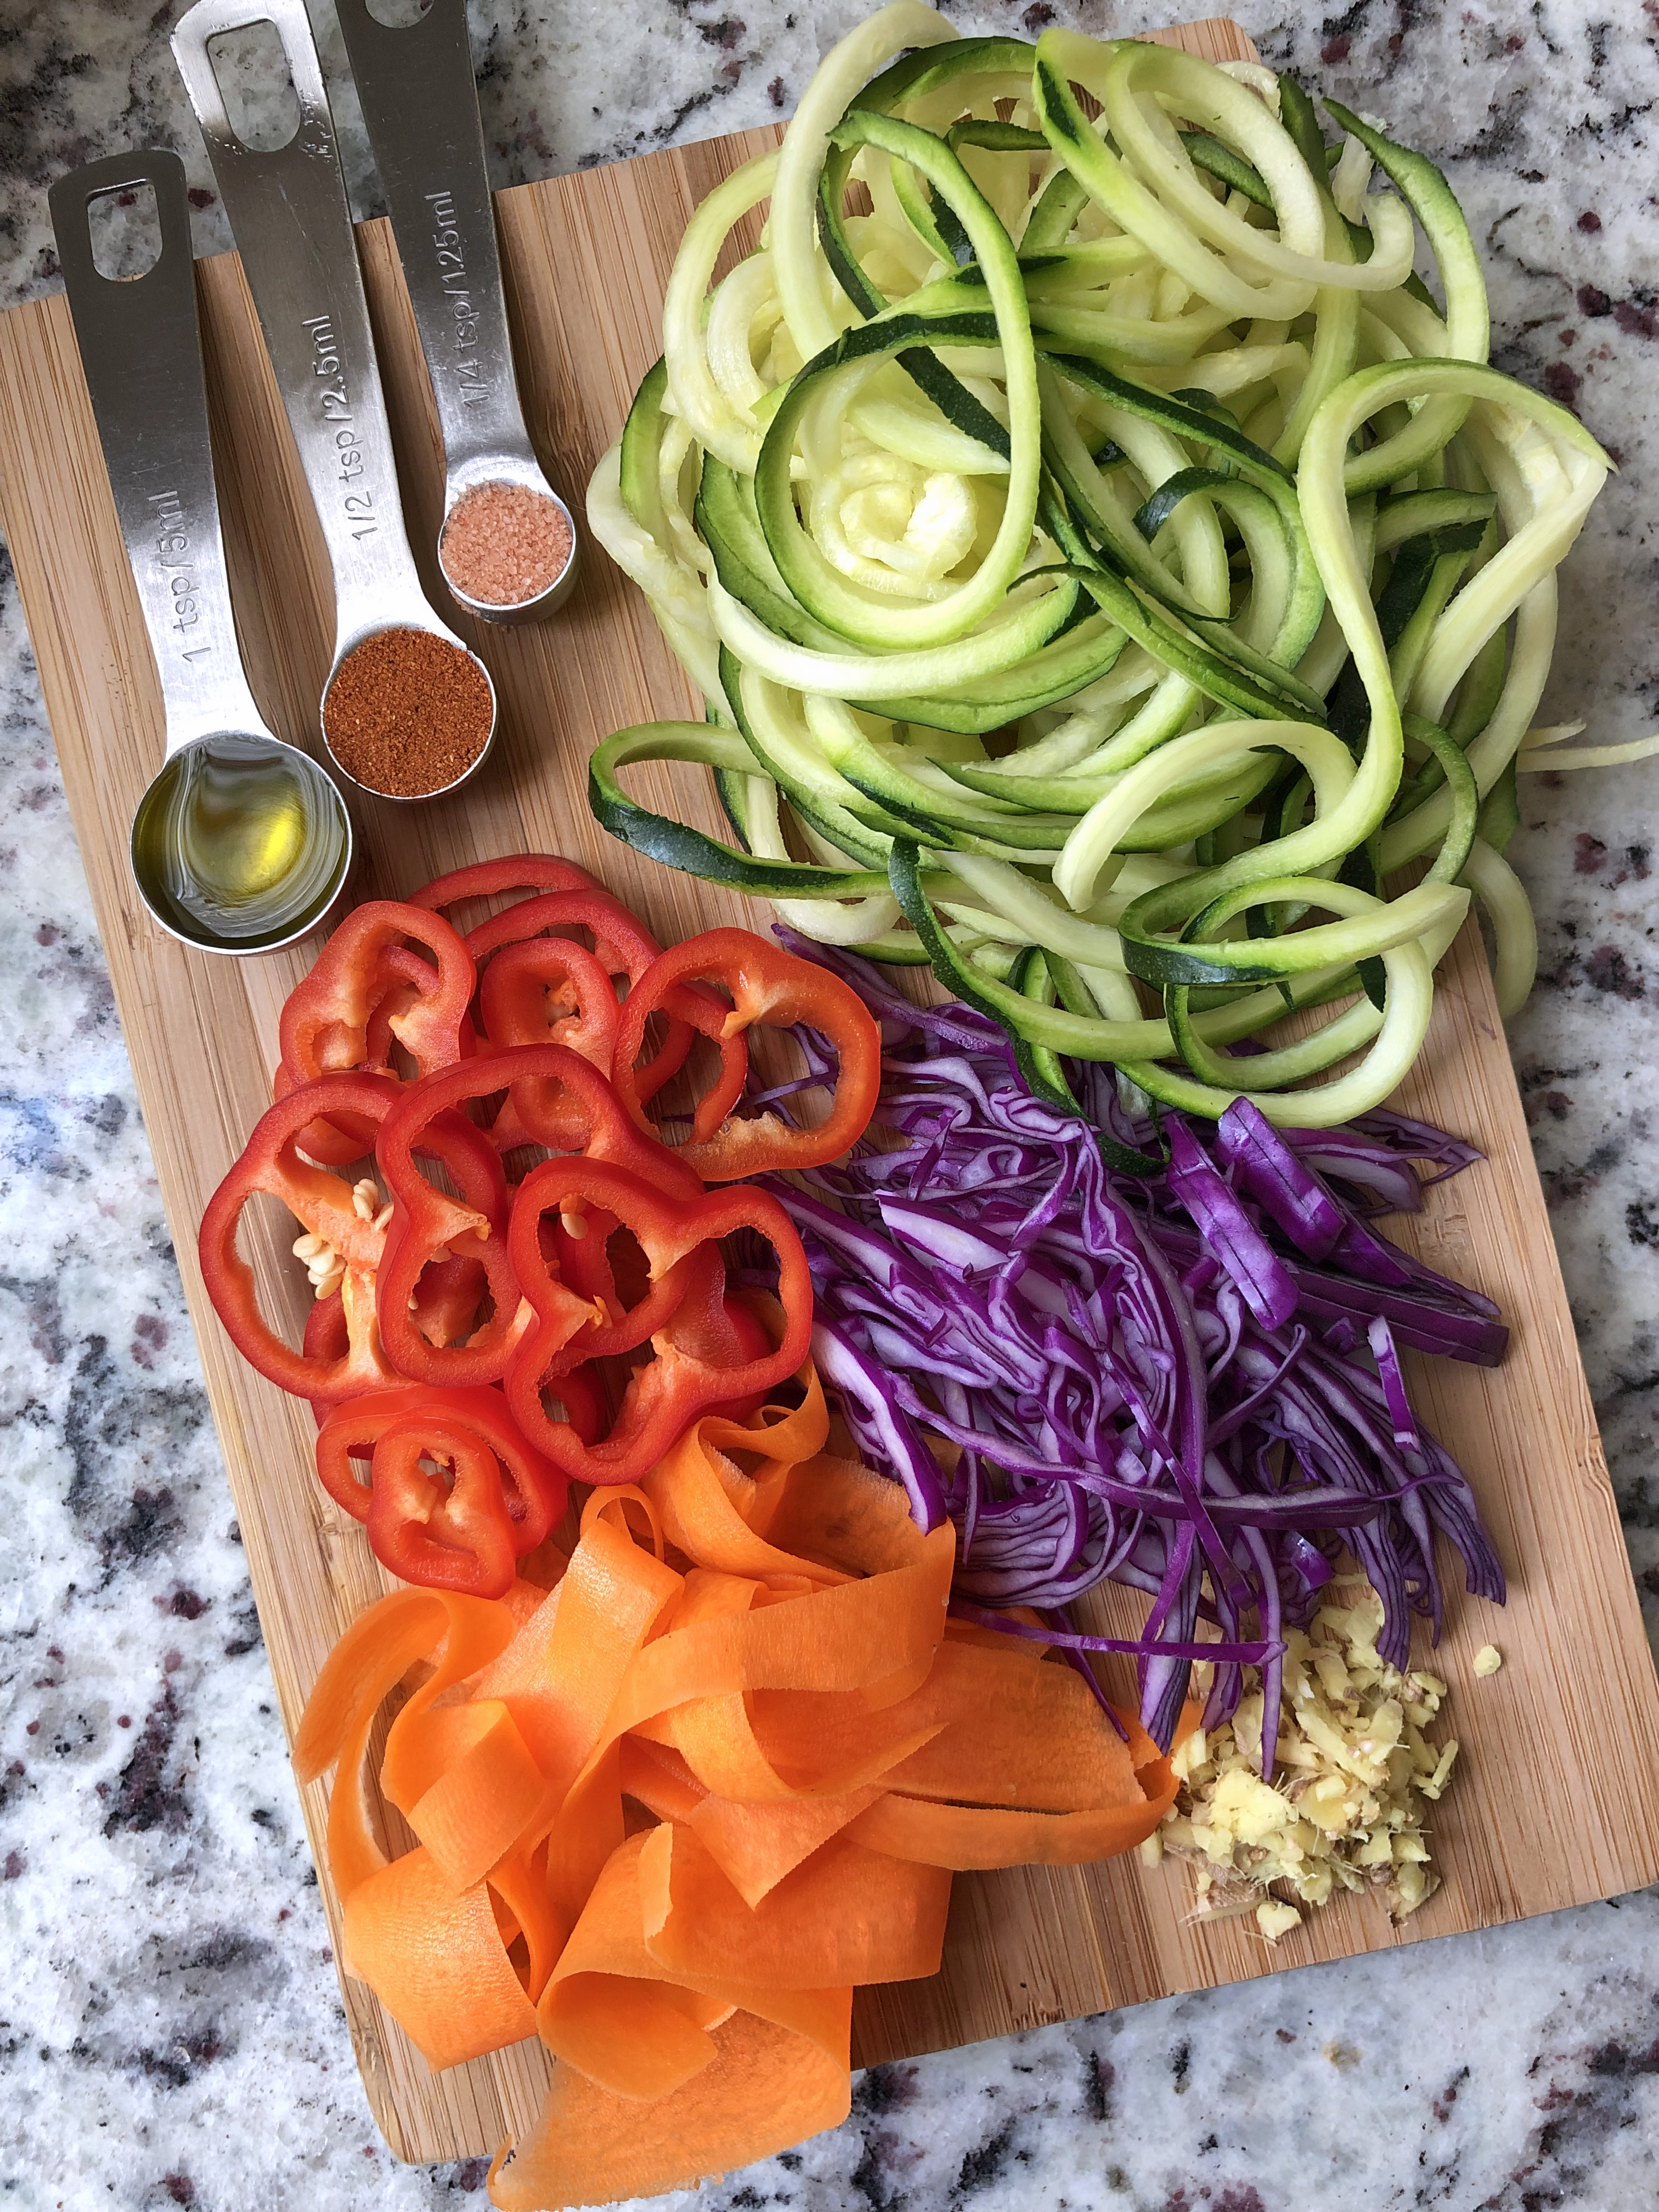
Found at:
[561, 1251]
[621, 945]
[447, 1301]
[577, 1248]
[430, 1229]
[516, 871]
[322, 1202]
[326, 1336]
[742, 1337]
[447, 1298]
[409, 987]
[574, 1321]
[533, 1490]
[442, 1533]
[708, 1320]
[337, 1142]
[698, 1348]
[544, 990]
[539, 1072]
[330, 1144]
[767, 985]
[325, 1022]
[576, 1243]
[427, 1223]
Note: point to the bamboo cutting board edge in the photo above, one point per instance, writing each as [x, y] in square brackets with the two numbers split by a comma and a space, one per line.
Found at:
[1034, 1944]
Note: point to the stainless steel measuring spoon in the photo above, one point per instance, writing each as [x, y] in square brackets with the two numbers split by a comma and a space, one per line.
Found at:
[240, 843]
[421, 104]
[292, 224]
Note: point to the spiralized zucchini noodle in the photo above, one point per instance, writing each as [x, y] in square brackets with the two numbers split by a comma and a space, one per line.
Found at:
[1112, 576]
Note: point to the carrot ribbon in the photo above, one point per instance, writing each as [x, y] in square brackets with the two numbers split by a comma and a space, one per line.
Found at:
[672, 1812]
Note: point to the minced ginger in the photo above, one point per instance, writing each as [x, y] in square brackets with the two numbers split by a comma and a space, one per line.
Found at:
[1345, 1808]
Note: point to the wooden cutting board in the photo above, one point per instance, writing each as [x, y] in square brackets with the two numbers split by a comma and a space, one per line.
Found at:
[1557, 1799]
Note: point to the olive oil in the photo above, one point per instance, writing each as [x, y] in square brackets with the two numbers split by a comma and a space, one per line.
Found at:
[239, 842]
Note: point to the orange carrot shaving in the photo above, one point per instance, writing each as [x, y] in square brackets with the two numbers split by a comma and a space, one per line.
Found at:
[763, 2088]
[754, 1846]
[672, 1812]
[435, 1958]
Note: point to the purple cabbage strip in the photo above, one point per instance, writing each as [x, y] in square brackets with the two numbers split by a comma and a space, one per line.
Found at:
[1230, 1237]
[1290, 1191]
[1416, 1141]
[1389, 1374]
[1188, 1383]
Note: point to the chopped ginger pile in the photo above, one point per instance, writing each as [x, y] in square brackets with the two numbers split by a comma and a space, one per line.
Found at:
[1345, 1806]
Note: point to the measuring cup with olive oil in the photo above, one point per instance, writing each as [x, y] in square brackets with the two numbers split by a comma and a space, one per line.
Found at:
[241, 843]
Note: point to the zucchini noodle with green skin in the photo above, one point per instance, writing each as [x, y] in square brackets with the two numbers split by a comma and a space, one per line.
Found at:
[1105, 565]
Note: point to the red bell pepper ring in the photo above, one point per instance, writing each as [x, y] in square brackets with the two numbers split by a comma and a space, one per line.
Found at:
[751, 1344]
[427, 1223]
[765, 984]
[325, 1022]
[575, 1241]
[337, 1142]
[446, 1299]
[330, 1144]
[429, 1230]
[518, 871]
[577, 1248]
[699, 1349]
[533, 1490]
[544, 990]
[733, 1333]
[706, 1318]
[327, 1335]
[409, 986]
[322, 1203]
[576, 1322]
[621, 945]
[576, 1244]
[607, 1132]
[453, 1534]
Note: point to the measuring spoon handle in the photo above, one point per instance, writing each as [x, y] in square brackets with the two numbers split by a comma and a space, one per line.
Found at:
[292, 223]
[419, 102]
[140, 351]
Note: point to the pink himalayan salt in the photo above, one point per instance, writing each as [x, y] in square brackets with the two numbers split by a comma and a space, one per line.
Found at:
[504, 544]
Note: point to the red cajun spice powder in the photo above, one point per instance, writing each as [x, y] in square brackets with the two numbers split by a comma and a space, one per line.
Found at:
[504, 544]
[407, 713]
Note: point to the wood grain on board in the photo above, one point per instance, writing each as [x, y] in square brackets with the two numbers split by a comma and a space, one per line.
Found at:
[1557, 1799]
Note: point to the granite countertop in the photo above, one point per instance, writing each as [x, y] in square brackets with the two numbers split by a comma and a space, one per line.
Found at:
[170, 2025]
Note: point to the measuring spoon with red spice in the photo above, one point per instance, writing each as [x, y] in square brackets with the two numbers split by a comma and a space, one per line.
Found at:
[507, 546]
[408, 711]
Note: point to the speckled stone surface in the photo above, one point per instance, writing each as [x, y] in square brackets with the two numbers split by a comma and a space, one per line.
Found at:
[170, 2028]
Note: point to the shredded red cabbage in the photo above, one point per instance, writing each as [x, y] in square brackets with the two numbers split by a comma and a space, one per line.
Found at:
[1186, 1382]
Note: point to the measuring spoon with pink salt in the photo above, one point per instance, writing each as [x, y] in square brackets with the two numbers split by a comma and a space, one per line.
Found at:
[507, 546]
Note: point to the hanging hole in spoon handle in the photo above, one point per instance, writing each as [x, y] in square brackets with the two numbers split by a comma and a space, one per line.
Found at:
[240, 843]
[507, 546]
[384, 701]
